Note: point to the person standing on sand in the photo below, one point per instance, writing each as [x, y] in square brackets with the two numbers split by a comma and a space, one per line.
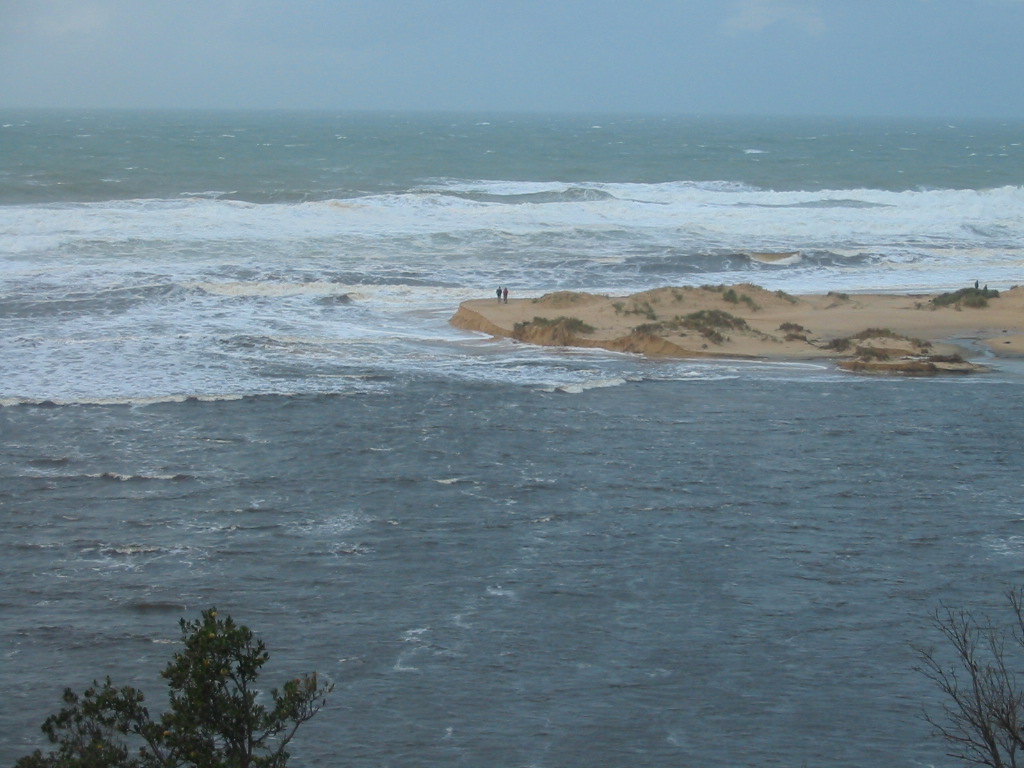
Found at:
[498, 293]
[504, 294]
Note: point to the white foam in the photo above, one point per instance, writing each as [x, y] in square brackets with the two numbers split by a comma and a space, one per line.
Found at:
[274, 289]
[129, 478]
[582, 386]
[779, 259]
[98, 400]
[147, 301]
[738, 214]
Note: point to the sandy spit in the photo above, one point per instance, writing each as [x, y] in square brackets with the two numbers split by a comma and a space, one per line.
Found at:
[747, 321]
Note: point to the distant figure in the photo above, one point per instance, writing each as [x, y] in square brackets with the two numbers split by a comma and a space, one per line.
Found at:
[498, 293]
[975, 285]
[504, 294]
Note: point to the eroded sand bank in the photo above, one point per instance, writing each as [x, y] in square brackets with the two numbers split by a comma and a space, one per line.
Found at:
[923, 333]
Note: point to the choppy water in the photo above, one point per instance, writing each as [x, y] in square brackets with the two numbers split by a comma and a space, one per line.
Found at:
[228, 379]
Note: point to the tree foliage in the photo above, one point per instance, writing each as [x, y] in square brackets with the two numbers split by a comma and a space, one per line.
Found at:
[216, 717]
[982, 718]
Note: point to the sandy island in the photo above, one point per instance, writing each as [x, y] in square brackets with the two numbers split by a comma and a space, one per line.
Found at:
[872, 333]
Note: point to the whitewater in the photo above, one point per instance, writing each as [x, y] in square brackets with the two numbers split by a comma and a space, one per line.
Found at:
[211, 288]
[229, 379]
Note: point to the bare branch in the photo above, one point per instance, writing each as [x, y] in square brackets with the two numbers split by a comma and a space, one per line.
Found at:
[983, 711]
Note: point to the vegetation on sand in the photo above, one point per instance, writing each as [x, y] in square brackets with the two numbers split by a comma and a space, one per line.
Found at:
[844, 343]
[872, 353]
[713, 318]
[709, 323]
[572, 325]
[636, 308]
[730, 295]
[973, 298]
[794, 331]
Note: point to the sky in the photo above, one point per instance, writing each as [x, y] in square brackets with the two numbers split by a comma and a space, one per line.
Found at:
[915, 58]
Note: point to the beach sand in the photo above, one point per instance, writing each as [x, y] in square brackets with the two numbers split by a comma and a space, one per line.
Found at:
[868, 332]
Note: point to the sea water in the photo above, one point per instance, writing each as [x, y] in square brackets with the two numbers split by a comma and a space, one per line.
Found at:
[229, 379]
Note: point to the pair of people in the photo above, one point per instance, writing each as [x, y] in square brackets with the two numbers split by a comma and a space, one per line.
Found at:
[502, 294]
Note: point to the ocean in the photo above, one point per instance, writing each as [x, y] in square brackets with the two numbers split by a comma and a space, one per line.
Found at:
[229, 380]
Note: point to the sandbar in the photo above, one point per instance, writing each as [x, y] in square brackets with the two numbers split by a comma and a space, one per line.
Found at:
[865, 332]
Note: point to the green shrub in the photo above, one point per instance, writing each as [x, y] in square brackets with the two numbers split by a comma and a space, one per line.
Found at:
[875, 333]
[570, 324]
[871, 353]
[708, 323]
[637, 308]
[974, 302]
[715, 318]
[215, 718]
[839, 345]
[973, 298]
[730, 295]
[843, 344]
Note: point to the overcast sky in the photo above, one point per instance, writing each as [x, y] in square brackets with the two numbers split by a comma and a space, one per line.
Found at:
[945, 58]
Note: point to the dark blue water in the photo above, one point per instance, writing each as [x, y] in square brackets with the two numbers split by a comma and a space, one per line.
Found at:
[666, 573]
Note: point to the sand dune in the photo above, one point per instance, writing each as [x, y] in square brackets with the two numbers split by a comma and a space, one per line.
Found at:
[870, 332]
